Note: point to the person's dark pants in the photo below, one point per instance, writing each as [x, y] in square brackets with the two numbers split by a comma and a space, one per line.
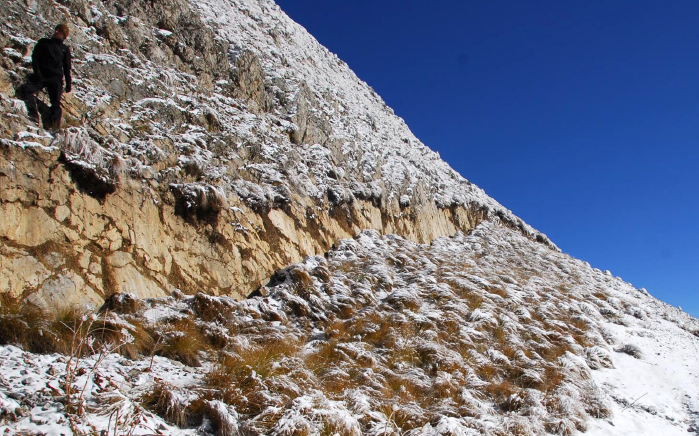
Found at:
[54, 88]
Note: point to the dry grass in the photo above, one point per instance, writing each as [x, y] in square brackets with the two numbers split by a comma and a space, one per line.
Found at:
[303, 282]
[404, 356]
[28, 327]
[337, 330]
[108, 330]
[182, 341]
[162, 400]
[503, 395]
[220, 423]
[497, 291]
[564, 427]
[474, 301]
[210, 309]
[553, 378]
[404, 389]
[263, 358]
[241, 379]
[324, 357]
[374, 329]
[601, 295]
[488, 371]
[39, 331]
[410, 418]
[237, 385]
[499, 334]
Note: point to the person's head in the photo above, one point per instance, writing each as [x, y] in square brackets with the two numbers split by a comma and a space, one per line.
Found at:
[61, 31]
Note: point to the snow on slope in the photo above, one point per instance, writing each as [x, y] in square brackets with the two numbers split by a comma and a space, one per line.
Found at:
[373, 139]
[657, 394]
[487, 333]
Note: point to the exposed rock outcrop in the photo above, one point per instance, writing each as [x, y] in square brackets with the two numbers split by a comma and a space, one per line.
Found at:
[147, 241]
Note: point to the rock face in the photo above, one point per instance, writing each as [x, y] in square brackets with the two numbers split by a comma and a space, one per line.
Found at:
[206, 144]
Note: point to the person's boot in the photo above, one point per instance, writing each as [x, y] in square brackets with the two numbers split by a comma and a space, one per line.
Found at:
[33, 117]
[55, 121]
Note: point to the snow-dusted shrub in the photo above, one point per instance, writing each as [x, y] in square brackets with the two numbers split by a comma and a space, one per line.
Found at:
[597, 357]
[181, 340]
[630, 349]
[208, 308]
[122, 303]
[28, 327]
[222, 419]
[164, 400]
[595, 401]
[198, 200]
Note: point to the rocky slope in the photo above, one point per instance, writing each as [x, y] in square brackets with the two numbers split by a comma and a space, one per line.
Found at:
[205, 145]
[209, 145]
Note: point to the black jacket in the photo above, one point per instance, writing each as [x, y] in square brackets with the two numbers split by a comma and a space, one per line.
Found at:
[51, 59]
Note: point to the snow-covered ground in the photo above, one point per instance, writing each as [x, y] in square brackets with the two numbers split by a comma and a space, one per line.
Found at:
[488, 333]
[657, 394]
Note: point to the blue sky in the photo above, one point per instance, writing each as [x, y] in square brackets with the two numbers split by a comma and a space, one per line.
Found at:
[580, 117]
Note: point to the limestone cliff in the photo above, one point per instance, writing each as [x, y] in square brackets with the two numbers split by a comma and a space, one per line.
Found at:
[205, 145]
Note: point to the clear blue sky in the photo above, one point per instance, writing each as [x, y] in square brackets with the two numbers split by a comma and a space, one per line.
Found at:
[580, 117]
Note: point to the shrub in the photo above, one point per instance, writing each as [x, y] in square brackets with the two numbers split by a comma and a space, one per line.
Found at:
[210, 308]
[164, 401]
[505, 395]
[630, 349]
[27, 327]
[123, 303]
[198, 201]
[112, 330]
[182, 341]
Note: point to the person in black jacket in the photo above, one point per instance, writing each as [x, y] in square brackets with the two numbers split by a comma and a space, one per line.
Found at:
[51, 61]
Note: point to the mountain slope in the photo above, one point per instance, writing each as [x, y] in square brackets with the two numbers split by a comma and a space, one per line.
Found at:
[211, 144]
[207, 144]
[487, 333]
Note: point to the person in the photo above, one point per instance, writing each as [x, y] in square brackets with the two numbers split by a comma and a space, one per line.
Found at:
[51, 61]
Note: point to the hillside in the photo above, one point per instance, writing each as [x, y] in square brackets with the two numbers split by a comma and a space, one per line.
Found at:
[485, 334]
[200, 155]
[233, 234]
